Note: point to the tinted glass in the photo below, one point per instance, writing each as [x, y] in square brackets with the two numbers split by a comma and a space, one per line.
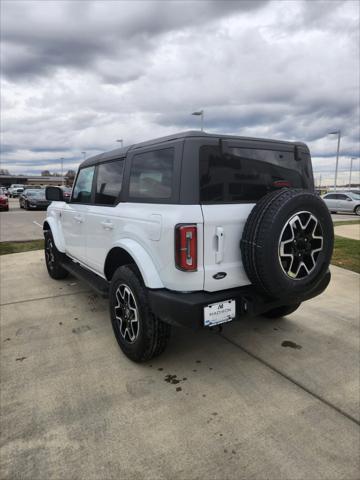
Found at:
[36, 193]
[331, 196]
[83, 185]
[343, 197]
[108, 182]
[151, 175]
[246, 175]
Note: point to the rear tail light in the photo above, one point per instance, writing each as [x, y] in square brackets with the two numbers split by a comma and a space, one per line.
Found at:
[186, 247]
[281, 184]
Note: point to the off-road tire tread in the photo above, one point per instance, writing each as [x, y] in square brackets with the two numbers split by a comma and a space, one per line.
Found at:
[158, 332]
[261, 220]
[59, 272]
[250, 234]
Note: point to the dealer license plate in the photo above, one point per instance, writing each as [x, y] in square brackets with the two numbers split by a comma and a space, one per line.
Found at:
[220, 312]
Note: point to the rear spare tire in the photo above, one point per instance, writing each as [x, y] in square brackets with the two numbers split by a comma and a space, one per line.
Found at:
[287, 242]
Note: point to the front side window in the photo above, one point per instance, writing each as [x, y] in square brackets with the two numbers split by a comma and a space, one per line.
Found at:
[151, 175]
[331, 196]
[246, 175]
[83, 186]
[343, 197]
[109, 182]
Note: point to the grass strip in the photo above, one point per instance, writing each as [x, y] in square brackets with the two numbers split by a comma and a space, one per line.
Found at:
[17, 247]
[346, 253]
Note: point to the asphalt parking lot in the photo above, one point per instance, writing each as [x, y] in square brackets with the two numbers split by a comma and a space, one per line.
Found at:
[237, 405]
[19, 224]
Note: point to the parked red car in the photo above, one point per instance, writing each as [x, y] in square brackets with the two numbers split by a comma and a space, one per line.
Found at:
[4, 202]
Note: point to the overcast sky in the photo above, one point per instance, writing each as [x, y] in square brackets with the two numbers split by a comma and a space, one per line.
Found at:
[77, 75]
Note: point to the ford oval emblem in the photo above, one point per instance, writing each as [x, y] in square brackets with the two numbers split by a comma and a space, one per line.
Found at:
[219, 275]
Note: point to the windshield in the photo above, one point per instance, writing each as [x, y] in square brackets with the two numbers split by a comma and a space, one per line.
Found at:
[35, 193]
[355, 196]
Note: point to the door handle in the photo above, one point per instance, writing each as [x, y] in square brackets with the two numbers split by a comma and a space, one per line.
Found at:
[219, 254]
[107, 225]
[78, 219]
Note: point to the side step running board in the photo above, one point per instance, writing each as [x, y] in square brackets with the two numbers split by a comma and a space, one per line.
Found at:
[97, 283]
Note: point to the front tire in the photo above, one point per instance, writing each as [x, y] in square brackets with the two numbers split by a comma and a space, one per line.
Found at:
[140, 335]
[52, 259]
[357, 210]
[282, 311]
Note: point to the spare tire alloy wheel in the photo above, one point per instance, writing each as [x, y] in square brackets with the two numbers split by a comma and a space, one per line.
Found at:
[300, 242]
[287, 243]
[126, 313]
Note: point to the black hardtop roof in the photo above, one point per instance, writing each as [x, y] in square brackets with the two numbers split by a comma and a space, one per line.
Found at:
[122, 152]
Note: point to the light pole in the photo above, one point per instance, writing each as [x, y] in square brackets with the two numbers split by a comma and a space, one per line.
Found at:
[201, 114]
[84, 154]
[338, 133]
[121, 141]
[62, 170]
[351, 164]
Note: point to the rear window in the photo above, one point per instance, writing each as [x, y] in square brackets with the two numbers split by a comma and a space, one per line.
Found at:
[245, 175]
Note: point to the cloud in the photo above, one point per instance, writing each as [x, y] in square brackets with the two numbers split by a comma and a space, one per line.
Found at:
[78, 75]
[41, 36]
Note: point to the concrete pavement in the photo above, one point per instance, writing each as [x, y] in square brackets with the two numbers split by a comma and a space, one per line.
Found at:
[245, 407]
[349, 231]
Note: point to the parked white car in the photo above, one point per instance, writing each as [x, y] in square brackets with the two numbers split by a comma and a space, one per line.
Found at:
[192, 230]
[342, 201]
[15, 190]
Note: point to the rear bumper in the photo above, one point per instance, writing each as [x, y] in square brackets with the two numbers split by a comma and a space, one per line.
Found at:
[186, 309]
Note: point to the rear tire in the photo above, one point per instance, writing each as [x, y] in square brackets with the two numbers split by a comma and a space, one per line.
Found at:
[282, 311]
[140, 335]
[52, 259]
[357, 210]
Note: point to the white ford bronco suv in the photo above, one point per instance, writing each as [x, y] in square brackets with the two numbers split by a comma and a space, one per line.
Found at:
[192, 229]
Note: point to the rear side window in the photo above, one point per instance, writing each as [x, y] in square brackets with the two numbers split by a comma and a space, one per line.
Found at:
[331, 196]
[83, 186]
[151, 175]
[108, 182]
[245, 175]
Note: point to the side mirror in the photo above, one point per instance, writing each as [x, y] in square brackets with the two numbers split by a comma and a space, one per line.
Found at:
[348, 199]
[54, 194]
